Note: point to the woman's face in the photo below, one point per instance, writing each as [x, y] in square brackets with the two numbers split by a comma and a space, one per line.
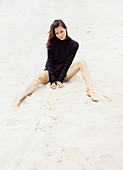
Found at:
[60, 32]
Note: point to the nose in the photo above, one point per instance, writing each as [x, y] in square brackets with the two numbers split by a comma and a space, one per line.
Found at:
[60, 35]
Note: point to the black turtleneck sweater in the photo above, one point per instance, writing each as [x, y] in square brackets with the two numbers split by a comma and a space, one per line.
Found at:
[60, 58]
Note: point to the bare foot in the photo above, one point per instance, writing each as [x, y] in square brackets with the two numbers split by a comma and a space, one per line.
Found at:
[17, 103]
[92, 96]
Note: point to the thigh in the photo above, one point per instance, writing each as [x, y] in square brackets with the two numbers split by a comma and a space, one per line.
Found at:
[44, 77]
[72, 71]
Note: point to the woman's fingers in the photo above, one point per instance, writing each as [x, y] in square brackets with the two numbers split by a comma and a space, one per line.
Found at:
[60, 85]
[53, 86]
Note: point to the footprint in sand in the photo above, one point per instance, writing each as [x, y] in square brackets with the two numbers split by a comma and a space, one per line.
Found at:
[108, 99]
[56, 118]
[49, 105]
[107, 161]
[47, 122]
[104, 98]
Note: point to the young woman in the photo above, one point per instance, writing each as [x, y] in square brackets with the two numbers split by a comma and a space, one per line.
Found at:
[61, 50]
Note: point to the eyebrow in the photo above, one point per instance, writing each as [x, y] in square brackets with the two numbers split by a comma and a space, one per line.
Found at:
[60, 31]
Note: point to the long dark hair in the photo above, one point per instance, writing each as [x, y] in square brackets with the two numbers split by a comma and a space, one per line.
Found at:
[52, 37]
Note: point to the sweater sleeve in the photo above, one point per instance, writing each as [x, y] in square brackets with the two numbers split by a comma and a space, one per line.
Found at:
[68, 62]
[52, 78]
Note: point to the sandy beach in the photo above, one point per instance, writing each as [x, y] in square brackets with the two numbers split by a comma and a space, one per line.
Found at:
[61, 129]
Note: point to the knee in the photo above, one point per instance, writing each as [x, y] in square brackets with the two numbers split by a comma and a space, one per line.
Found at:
[82, 63]
[43, 78]
[39, 78]
[37, 81]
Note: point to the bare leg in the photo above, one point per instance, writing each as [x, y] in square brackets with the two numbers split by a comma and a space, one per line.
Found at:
[41, 79]
[73, 70]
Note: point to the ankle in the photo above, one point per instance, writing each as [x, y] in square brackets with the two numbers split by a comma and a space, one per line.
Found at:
[90, 91]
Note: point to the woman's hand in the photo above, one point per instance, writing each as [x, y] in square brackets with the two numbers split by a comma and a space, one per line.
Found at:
[53, 86]
[60, 85]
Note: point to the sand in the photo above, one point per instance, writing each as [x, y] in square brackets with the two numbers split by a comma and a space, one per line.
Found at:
[61, 129]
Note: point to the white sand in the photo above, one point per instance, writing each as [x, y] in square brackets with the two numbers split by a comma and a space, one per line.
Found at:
[62, 129]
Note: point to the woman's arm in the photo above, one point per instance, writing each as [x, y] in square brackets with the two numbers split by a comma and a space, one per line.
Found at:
[68, 62]
[52, 78]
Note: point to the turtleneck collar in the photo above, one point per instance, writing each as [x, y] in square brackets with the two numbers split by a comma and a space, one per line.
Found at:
[66, 39]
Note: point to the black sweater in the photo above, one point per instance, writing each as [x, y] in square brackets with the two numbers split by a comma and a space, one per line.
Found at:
[60, 59]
